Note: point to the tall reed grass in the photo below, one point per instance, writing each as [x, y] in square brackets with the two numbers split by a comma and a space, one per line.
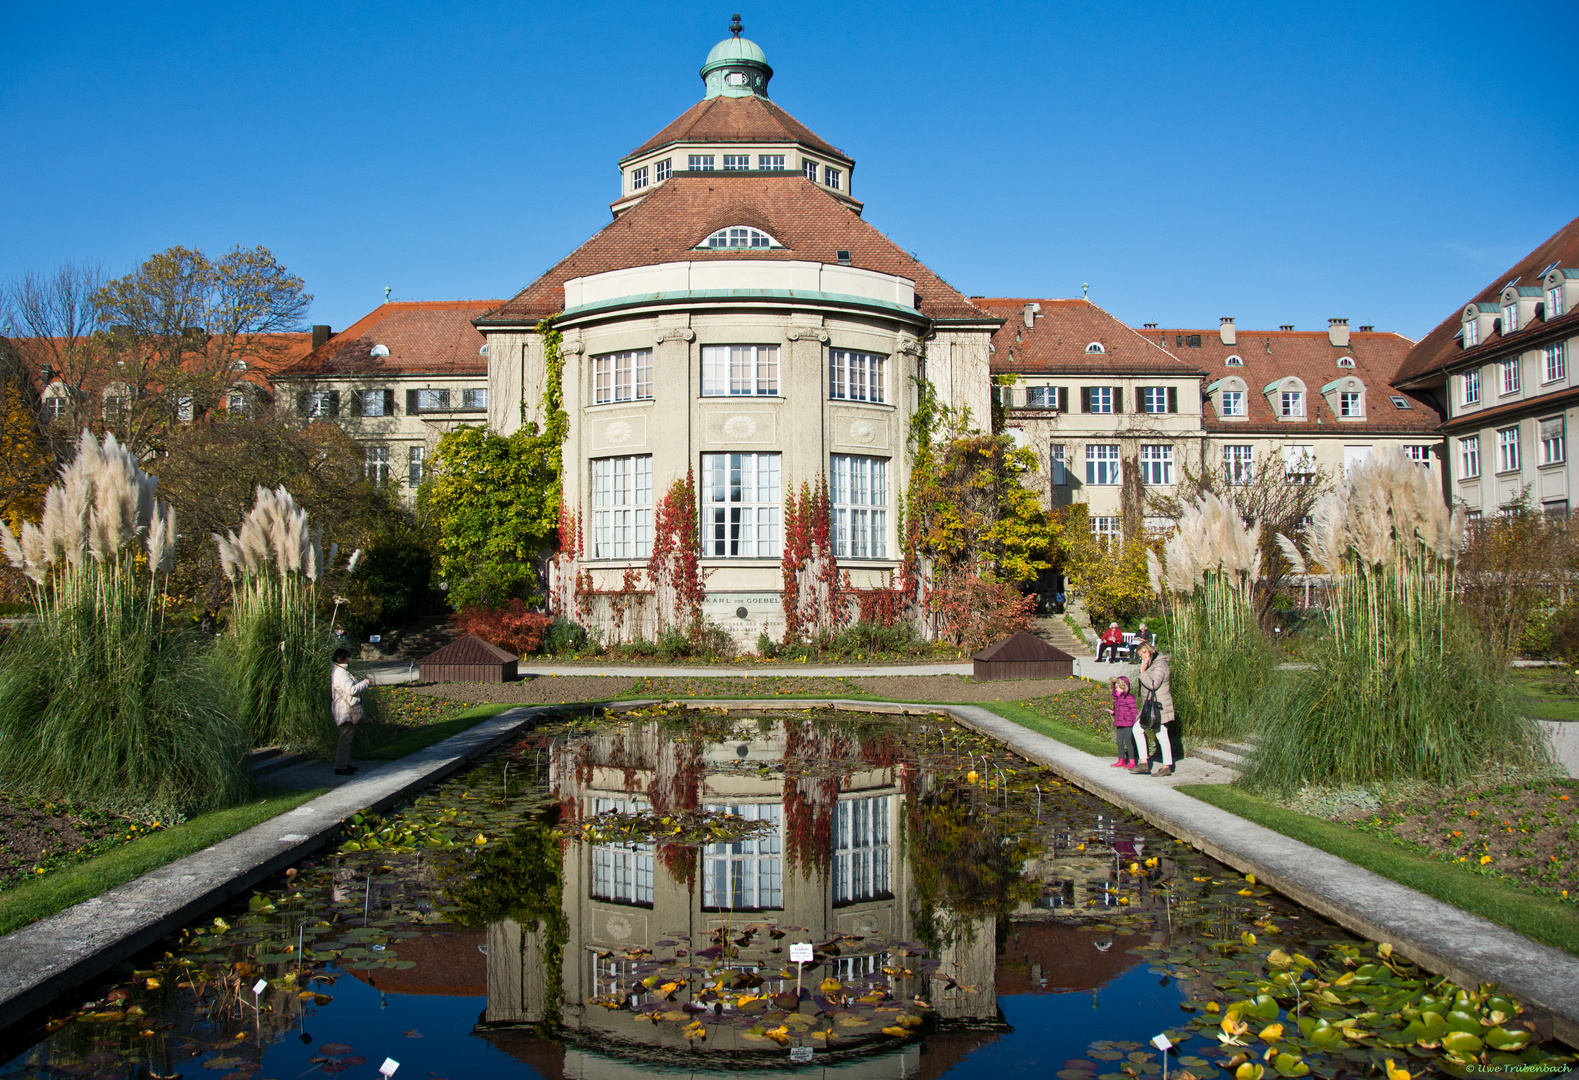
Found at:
[1402, 687]
[102, 701]
[276, 652]
[1221, 661]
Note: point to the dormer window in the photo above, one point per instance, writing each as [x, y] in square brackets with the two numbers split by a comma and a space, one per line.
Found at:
[379, 352]
[701, 162]
[1287, 397]
[737, 162]
[639, 178]
[738, 238]
[663, 169]
[1351, 404]
[809, 167]
[1234, 361]
[1471, 332]
[832, 177]
[1291, 404]
[1346, 397]
[1555, 304]
[1510, 317]
[1345, 361]
[1095, 347]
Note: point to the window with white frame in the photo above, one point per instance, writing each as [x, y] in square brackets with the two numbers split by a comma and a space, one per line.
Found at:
[1299, 464]
[737, 162]
[809, 167]
[1555, 305]
[236, 401]
[1508, 375]
[1099, 399]
[1469, 456]
[1291, 403]
[862, 851]
[432, 400]
[770, 162]
[740, 370]
[856, 376]
[622, 507]
[831, 177]
[1156, 465]
[740, 506]
[375, 464]
[1556, 357]
[414, 463]
[1105, 526]
[1552, 441]
[1508, 449]
[739, 236]
[1510, 317]
[475, 397]
[1420, 455]
[374, 402]
[1471, 333]
[1238, 464]
[320, 403]
[622, 873]
[55, 407]
[1058, 465]
[858, 491]
[1469, 382]
[746, 875]
[1102, 465]
[662, 170]
[183, 410]
[701, 163]
[1043, 397]
[1351, 403]
[625, 376]
[1158, 399]
[639, 178]
[1233, 402]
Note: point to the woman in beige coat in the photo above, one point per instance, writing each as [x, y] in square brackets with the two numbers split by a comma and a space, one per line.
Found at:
[1154, 687]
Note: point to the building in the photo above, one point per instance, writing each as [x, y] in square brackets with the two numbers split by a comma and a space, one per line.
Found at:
[738, 320]
[1499, 364]
[398, 379]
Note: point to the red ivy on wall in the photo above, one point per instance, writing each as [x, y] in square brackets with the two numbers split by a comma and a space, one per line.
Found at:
[675, 568]
[812, 597]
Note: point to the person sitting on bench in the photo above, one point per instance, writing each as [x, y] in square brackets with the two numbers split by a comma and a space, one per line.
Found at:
[1110, 641]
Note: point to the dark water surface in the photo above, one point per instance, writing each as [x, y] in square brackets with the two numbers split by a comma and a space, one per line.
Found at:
[615, 897]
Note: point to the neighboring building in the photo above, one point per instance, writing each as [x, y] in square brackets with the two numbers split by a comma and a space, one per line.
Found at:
[747, 325]
[1095, 400]
[1303, 401]
[397, 380]
[1502, 364]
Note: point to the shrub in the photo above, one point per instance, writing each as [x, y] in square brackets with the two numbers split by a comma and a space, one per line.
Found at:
[391, 588]
[674, 644]
[509, 627]
[564, 636]
[767, 648]
[974, 611]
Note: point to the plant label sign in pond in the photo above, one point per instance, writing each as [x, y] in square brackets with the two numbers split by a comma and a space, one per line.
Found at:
[800, 953]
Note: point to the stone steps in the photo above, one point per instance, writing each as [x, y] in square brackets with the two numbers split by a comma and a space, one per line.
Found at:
[1057, 633]
[424, 636]
[270, 761]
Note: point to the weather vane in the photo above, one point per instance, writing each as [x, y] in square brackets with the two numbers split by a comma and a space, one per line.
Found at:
[735, 27]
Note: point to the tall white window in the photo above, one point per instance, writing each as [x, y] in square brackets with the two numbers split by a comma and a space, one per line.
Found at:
[638, 178]
[862, 852]
[1102, 463]
[414, 460]
[770, 162]
[375, 465]
[748, 874]
[55, 406]
[374, 403]
[1058, 465]
[622, 507]
[1238, 464]
[1470, 382]
[858, 490]
[1350, 403]
[474, 397]
[1510, 317]
[738, 370]
[1554, 302]
[1299, 464]
[1469, 456]
[1552, 441]
[1099, 399]
[1106, 526]
[1556, 361]
[625, 376]
[740, 505]
[855, 376]
[1043, 397]
[1156, 465]
[831, 177]
[701, 163]
[1508, 449]
[622, 872]
[1508, 373]
[235, 401]
[737, 162]
[1471, 333]
[1420, 455]
[1233, 402]
[183, 410]
[809, 167]
[320, 403]
[662, 170]
[1157, 399]
[1292, 403]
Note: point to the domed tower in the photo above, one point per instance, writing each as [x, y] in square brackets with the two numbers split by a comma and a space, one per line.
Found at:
[736, 66]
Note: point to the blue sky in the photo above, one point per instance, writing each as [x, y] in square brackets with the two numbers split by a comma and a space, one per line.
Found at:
[1278, 163]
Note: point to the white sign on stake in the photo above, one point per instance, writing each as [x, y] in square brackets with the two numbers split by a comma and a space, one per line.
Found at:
[801, 953]
[1161, 1043]
[800, 1053]
[388, 1068]
[259, 986]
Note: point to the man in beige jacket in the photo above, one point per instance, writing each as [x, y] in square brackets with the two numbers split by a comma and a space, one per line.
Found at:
[346, 690]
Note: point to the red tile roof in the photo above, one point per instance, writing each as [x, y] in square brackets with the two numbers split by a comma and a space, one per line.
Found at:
[424, 337]
[666, 227]
[1308, 355]
[739, 120]
[1439, 348]
[1057, 343]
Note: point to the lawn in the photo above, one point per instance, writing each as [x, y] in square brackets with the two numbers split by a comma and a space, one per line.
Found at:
[1079, 718]
[1550, 692]
[406, 721]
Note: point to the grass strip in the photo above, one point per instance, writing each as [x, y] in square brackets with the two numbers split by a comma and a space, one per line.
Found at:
[34, 900]
[425, 737]
[1545, 919]
[1042, 724]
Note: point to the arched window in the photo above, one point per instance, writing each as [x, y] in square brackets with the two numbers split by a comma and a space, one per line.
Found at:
[1346, 361]
[1234, 361]
[739, 237]
[1095, 347]
[379, 351]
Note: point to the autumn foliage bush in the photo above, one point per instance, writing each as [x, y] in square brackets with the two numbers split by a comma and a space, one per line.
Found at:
[974, 611]
[509, 627]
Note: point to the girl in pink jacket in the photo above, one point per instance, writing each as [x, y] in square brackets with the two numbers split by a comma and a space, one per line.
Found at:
[1125, 712]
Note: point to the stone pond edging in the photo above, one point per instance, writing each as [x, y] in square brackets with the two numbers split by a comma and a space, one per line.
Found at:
[41, 962]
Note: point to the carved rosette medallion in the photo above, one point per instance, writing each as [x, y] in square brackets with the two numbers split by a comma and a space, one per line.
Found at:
[740, 427]
[617, 432]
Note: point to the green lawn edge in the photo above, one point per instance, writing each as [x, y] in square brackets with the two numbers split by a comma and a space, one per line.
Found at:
[1079, 738]
[33, 900]
[1544, 919]
[425, 737]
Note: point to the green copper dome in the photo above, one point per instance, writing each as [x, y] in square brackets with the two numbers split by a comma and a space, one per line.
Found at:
[736, 67]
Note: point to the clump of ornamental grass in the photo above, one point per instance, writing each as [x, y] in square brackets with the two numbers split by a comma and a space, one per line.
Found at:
[102, 700]
[1221, 661]
[276, 654]
[1402, 687]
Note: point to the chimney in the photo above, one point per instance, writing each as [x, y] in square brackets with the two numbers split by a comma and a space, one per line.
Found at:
[1226, 331]
[1285, 326]
[320, 334]
[1030, 313]
[1367, 329]
[1338, 333]
[1149, 326]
